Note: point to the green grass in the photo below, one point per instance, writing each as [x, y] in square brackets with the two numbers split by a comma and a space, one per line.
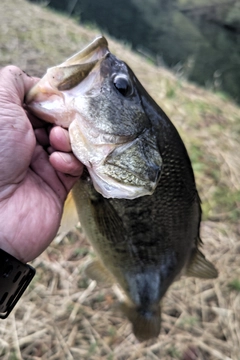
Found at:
[174, 352]
[235, 285]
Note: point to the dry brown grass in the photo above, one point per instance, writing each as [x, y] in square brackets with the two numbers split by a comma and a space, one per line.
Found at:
[64, 315]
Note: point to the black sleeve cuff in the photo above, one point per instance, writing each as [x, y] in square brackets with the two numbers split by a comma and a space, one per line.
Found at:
[14, 279]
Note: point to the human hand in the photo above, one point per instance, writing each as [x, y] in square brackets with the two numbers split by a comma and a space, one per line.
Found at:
[33, 185]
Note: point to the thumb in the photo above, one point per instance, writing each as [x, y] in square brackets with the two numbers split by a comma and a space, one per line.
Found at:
[14, 84]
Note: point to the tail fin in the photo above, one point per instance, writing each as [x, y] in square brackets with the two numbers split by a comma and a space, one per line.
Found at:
[145, 323]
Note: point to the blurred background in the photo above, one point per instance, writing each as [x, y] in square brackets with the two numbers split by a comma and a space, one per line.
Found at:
[198, 39]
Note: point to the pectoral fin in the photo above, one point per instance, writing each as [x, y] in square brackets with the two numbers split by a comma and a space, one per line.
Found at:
[200, 267]
[69, 217]
[107, 219]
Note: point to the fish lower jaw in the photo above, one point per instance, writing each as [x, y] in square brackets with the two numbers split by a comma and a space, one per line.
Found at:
[109, 188]
[47, 113]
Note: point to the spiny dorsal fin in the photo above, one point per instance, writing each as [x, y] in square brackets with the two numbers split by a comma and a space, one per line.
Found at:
[95, 270]
[200, 267]
[146, 324]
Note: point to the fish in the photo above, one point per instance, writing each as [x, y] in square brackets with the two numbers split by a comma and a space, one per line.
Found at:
[137, 199]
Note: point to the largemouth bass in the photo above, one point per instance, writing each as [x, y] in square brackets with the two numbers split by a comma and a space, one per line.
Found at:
[137, 200]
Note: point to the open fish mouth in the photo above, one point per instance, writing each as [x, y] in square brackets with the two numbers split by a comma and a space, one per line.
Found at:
[64, 77]
[83, 62]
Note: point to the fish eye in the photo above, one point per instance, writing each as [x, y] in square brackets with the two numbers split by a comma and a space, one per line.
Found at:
[122, 85]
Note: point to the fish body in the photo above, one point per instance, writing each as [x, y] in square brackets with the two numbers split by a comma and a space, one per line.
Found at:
[137, 200]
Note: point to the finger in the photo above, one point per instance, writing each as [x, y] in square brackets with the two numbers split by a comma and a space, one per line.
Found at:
[59, 139]
[42, 167]
[35, 121]
[42, 137]
[14, 84]
[66, 163]
[68, 180]
[50, 150]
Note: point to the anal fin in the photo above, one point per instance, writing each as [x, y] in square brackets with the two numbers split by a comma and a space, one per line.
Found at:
[200, 267]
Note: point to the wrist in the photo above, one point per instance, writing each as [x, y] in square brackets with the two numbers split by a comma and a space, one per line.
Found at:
[9, 249]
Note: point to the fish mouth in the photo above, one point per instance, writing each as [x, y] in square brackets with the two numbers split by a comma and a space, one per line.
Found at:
[67, 75]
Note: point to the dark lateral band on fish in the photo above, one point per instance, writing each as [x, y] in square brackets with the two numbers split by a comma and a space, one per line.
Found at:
[137, 200]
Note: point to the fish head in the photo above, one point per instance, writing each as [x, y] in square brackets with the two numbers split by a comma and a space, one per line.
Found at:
[98, 98]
